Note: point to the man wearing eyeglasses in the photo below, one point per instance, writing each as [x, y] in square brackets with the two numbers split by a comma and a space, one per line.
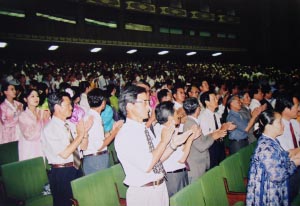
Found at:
[140, 153]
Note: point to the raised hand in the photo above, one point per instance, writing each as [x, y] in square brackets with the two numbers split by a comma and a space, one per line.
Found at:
[197, 131]
[181, 138]
[220, 133]
[294, 153]
[118, 124]
[88, 124]
[80, 129]
[256, 112]
[167, 133]
[228, 126]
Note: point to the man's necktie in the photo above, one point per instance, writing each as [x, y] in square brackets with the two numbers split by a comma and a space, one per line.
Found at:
[76, 156]
[293, 136]
[158, 167]
[216, 123]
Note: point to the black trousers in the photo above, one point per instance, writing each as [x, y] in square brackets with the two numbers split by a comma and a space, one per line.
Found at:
[294, 186]
[235, 146]
[60, 184]
[216, 153]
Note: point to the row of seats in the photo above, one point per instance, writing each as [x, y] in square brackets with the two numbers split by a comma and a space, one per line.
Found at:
[24, 182]
[222, 185]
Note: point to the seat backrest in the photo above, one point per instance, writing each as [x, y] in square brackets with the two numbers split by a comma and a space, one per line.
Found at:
[231, 171]
[113, 159]
[190, 195]
[9, 153]
[119, 176]
[24, 179]
[95, 189]
[244, 155]
[213, 187]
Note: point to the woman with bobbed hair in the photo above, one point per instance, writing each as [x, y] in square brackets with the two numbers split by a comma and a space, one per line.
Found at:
[271, 165]
[10, 110]
[31, 122]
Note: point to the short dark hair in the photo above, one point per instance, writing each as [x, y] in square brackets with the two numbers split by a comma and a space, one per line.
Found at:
[109, 89]
[163, 111]
[254, 90]
[95, 97]
[129, 95]
[161, 94]
[283, 101]
[176, 87]
[83, 85]
[190, 105]
[242, 94]
[56, 98]
[205, 97]
[266, 88]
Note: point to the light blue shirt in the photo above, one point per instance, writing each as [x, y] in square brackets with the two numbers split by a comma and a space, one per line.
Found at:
[236, 118]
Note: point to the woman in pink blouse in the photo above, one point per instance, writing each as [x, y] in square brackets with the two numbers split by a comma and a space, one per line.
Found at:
[31, 123]
[10, 110]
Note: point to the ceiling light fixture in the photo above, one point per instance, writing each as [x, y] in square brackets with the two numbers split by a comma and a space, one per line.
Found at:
[3, 44]
[191, 53]
[94, 50]
[53, 47]
[163, 52]
[131, 51]
[217, 54]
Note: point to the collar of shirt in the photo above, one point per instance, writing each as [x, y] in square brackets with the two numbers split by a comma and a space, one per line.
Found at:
[234, 113]
[177, 105]
[195, 119]
[135, 123]
[209, 112]
[94, 113]
[286, 122]
[58, 121]
[255, 101]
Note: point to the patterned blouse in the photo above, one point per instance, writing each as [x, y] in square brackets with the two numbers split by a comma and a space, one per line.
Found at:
[269, 173]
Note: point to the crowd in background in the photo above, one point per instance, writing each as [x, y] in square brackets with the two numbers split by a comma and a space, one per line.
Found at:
[221, 99]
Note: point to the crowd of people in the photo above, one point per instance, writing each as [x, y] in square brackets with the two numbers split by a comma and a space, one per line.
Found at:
[169, 122]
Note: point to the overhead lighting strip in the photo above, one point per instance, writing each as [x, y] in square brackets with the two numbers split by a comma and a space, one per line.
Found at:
[55, 18]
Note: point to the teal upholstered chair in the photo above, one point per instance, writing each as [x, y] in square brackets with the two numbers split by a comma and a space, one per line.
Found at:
[95, 189]
[190, 195]
[24, 182]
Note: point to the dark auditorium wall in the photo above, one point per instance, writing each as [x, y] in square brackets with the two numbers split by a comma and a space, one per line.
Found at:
[273, 31]
[267, 31]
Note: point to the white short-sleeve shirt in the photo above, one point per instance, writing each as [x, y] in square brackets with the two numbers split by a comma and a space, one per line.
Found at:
[134, 154]
[55, 138]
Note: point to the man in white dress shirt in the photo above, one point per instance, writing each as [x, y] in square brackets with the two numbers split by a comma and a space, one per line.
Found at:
[287, 105]
[209, 122]
[94, 159]
[61, 139]
[256, 96]
[135, 149]
[84, 88]
[177, 176]
[179, 97]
